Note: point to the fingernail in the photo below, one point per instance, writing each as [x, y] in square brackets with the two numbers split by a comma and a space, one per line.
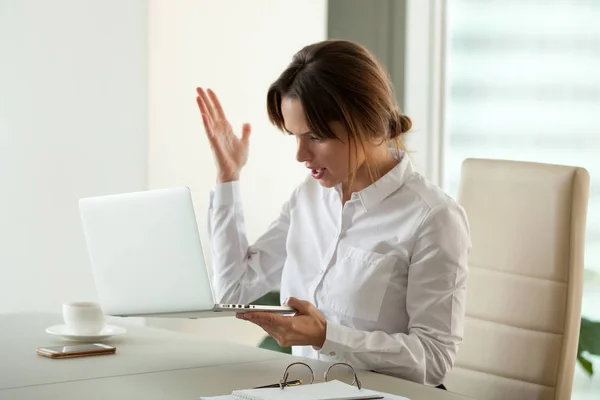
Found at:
[285, 301]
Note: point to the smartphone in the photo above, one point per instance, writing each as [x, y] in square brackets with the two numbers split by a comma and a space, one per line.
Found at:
[82, 350]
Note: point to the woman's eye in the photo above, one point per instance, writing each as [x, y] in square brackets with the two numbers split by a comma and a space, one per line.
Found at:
[316, 139]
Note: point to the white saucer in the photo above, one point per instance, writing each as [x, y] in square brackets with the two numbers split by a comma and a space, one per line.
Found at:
[64, 331]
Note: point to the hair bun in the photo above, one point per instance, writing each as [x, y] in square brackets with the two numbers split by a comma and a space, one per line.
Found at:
[399, 124]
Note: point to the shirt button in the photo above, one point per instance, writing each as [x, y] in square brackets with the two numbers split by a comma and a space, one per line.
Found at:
[332, 353]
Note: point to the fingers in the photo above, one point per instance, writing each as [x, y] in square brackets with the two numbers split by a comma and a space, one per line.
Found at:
[265, 323]
[201, 105]
[287, 331]
[246, 129]
[206, 121]
[205, 116]
[207, 108]
[220, 154]
[263, 317]
[216, 104]
[303, 307]
[209, 105]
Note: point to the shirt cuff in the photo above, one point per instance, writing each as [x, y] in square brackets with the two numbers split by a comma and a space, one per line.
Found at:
[337, 340]
[225, 194]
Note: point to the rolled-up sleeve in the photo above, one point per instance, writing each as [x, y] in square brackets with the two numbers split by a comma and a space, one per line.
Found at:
[436, 295]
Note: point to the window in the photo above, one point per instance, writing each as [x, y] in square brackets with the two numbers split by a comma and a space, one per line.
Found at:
[523, 82]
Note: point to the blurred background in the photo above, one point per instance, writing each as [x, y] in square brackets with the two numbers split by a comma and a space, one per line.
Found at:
[523, 83]
[98, 97]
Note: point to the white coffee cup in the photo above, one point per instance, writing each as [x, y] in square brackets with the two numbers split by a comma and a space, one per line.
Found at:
[83, 317]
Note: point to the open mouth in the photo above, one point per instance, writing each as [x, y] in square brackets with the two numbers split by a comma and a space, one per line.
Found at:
[318, 173]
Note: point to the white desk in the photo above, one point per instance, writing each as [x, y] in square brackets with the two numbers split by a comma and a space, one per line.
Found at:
[151, 364]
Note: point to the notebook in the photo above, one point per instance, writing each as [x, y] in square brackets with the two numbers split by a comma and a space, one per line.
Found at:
[332, 390]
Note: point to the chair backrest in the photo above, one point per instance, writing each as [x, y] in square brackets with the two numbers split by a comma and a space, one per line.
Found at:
[527, 225]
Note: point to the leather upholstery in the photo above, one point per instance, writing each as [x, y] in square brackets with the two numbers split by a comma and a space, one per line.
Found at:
[527, 224]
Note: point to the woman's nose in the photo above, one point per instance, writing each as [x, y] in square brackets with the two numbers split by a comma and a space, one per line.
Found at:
[303, 153]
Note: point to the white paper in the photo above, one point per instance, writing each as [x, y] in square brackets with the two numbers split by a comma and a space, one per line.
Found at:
[333, 390]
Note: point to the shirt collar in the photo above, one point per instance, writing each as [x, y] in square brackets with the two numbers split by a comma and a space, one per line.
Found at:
[383, 187]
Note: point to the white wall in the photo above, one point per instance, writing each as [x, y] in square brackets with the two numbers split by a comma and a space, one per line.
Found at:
[238, 48]
[73, 123]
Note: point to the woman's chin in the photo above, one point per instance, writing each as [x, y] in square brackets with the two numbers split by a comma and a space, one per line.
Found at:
[326, 179]
[327, 183]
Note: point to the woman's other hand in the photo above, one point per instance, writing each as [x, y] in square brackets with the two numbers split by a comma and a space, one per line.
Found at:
[230, 151]
[307, 328]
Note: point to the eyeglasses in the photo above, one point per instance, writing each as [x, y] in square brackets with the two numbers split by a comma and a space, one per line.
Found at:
[336, 368]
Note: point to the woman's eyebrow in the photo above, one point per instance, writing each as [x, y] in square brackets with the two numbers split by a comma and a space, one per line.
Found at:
[300, 134]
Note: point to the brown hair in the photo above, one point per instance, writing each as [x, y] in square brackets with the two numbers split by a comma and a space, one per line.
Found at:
[338, 80]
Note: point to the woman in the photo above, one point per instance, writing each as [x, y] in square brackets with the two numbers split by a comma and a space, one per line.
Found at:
[372, 255]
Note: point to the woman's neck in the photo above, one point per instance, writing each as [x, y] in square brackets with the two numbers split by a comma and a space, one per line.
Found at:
[383, 162]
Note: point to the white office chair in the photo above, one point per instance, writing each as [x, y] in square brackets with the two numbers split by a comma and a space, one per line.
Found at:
[527, 225]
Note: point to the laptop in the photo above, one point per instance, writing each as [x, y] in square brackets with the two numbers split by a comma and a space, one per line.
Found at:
[147, 257]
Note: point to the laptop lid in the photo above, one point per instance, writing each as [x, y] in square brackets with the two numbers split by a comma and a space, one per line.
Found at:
[146, 253]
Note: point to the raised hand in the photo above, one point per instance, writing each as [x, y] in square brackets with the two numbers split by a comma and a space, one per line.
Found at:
[230, 151]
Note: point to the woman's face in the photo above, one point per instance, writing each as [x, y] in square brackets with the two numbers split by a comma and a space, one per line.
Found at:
[329, 160]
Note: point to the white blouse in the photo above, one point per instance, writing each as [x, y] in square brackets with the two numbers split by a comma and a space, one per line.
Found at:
[388, 270]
